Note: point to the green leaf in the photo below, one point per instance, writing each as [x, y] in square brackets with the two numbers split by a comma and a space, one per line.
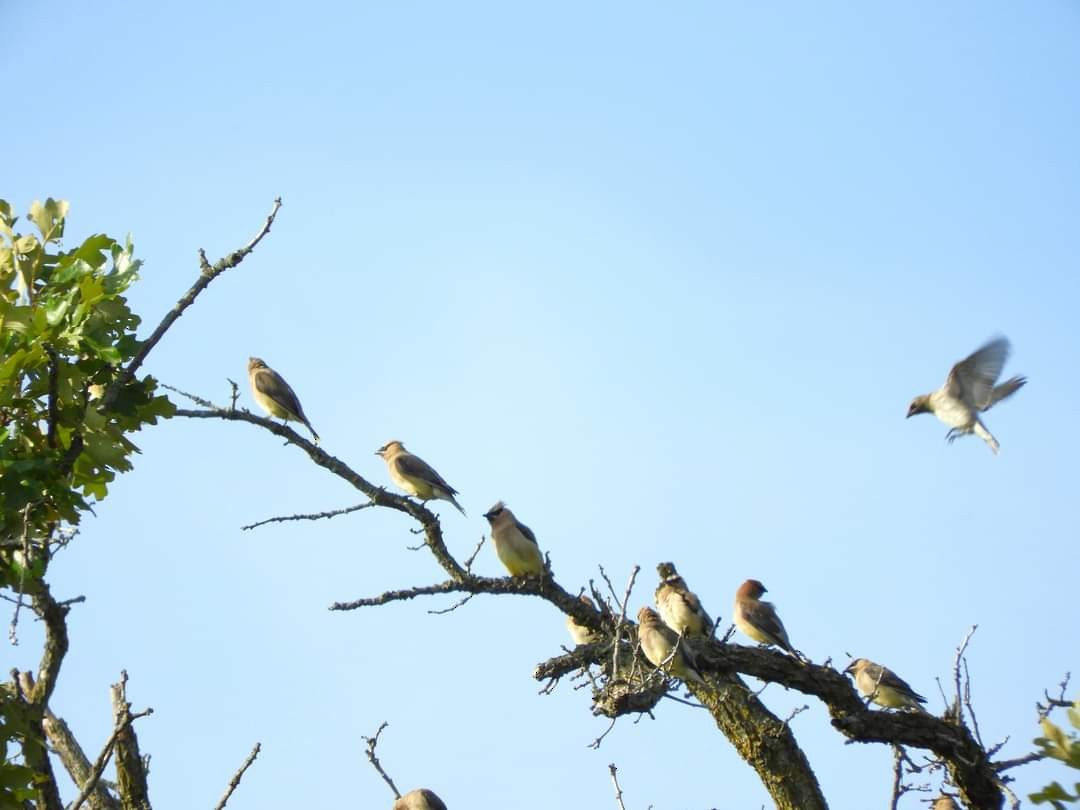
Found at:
[49, 218]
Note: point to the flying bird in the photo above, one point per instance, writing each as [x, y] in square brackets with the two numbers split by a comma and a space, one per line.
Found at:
[579, 632]
[969, 389]
[514, 542]
[679, 607]
[274, 395]
[758, 619]
[416, 476]
[883, 686]
[419, 799]
[658, 641]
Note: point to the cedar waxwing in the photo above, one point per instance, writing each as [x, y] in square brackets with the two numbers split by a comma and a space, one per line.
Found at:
[274, 395]
[414, 475]
[579, 632]
[883, 686]
[419, 799]
[944, 802]
[969, 389]
[514, 542]
[758, 619]
[679, 607]
[657, 642]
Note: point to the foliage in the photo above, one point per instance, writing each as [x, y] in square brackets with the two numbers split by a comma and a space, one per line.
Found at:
[65, 330]
[65, 407]
[1056, 744]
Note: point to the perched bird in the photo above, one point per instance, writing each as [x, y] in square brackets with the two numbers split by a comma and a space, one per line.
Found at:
[944, 802]
[514, 542]
[758, 619]
[883, 686]
[679, 607]
[657, 642]
[579, 632]
[416, 476]
[419, 799]
[969, 389]
[274, 395]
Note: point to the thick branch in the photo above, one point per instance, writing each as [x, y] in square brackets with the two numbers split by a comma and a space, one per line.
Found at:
[76, 763]
[130, 768]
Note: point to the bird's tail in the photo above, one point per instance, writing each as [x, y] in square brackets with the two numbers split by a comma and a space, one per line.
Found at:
[453, 500]
[1006, 389]
[314, 435]
[988, 437]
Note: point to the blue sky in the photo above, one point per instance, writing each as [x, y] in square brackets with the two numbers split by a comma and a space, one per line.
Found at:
[665, 280]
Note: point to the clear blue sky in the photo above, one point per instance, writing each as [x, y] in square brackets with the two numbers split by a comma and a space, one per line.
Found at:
[665, 280]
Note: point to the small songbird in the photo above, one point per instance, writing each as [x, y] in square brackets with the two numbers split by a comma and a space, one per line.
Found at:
[679, 607]
[514, 542]
[970, 389]
[944, 802]
[758, 619]
[657, 642]
[883, 686]
[416, 476]
[419, 799]
[579, 632]
[274, 395]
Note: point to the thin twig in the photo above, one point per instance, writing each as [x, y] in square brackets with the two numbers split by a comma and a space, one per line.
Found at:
[235, 781]
[313, 516]
[374, 760]
[453, 607]
[956, 672]
[618, 790]
[472, 557]
[898, 788]
[622, 616]
[595, 744]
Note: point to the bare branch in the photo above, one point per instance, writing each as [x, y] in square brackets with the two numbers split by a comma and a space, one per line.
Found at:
[618, 790]
[374, 760]
[314, 516]
[235, 781]
[75, 761]
[124, 719]
[206, 275]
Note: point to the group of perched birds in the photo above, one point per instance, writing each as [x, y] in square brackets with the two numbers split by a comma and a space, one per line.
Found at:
[970, 389]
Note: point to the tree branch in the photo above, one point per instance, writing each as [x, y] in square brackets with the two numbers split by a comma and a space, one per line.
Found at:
[206, 275]
[234, 783]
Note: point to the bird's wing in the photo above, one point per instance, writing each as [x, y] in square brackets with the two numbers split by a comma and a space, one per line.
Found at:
[972, 379]
[415, 467]
[527, 532]
[762, 615]
[273, 385]
[894, 681]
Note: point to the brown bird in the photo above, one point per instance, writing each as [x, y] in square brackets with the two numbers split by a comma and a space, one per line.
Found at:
[970, 389]
[515, 543]
[658, 642]
[414, 475]
[419, 799]
[579, 632]
[274, 395]
[758, 619]
[883, 686]
[679, 607]
[944, 802]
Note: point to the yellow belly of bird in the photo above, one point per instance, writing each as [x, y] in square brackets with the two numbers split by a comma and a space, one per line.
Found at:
[888, 697]
[271, 407]
[520, 561]
[414, 486]
[675, 612]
